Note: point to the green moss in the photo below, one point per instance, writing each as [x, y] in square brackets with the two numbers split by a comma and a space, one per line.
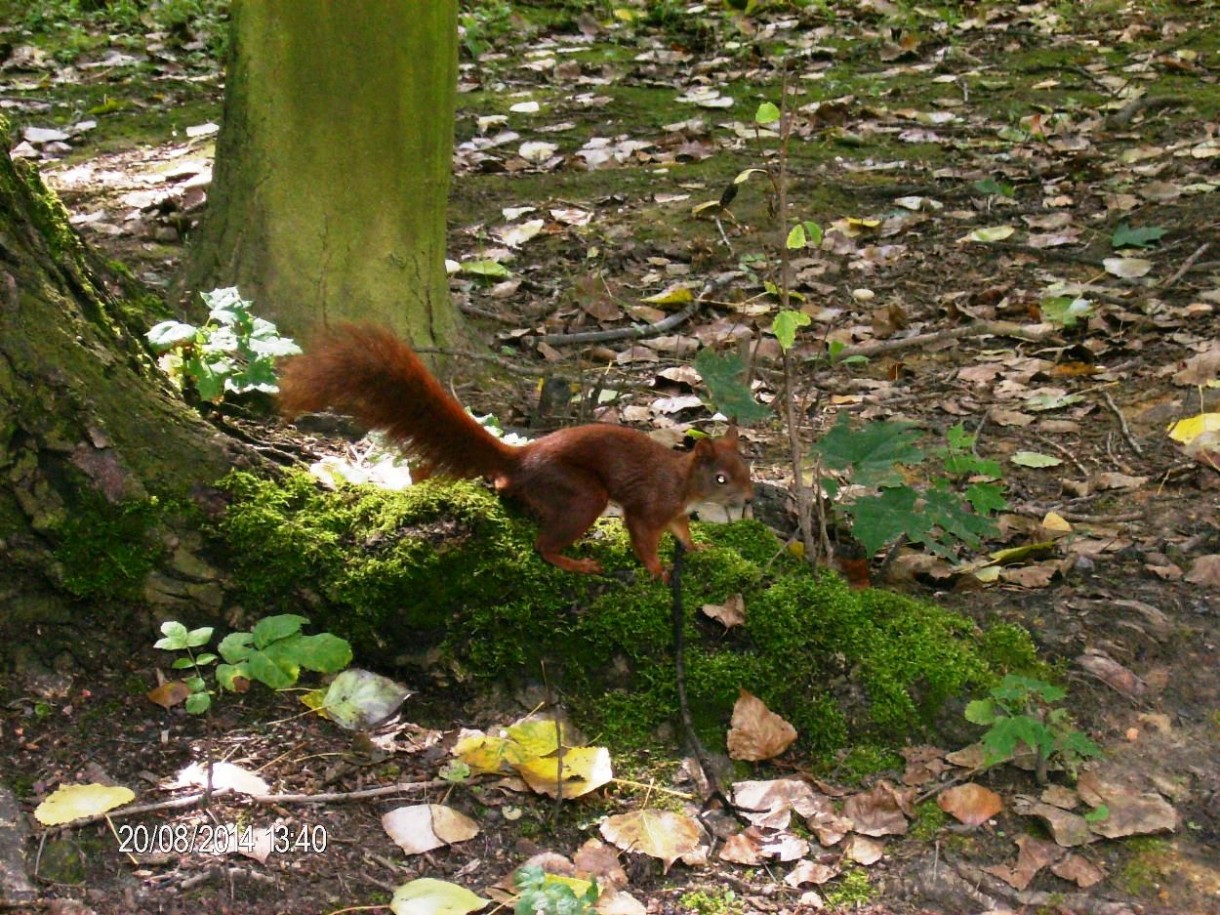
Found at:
[106, 550]
[853, 889]
[929, 821]
[1150, 864]
[448, 566]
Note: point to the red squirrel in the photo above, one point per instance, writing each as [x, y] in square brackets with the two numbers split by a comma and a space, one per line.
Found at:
[566, 478]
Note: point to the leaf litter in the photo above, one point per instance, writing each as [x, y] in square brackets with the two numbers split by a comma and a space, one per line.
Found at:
[1101, 202]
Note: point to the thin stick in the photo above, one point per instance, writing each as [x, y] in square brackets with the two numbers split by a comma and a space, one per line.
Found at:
[1122, 424]
[1186, 265]
[635, 332]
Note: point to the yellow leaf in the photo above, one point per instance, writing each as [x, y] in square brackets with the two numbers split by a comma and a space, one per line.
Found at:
[75, 802]
[658, 833]
[674, 295]
[485, 753]
[585, 769]
[1184, 431]
[428, 896]
[536, 737]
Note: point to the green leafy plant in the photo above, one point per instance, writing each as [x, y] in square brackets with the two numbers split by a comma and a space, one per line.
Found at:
[855, 889]
[878, 458]
[540, 893]
[176, 637]
[233, 353]
[1126, 236]
[1022, 711]
[275, 651]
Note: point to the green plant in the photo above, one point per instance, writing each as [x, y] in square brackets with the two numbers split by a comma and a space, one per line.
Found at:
[540, 893]
[234, 352]
[876, 460]
[178, 638]
[1021, 711]
[274, 651]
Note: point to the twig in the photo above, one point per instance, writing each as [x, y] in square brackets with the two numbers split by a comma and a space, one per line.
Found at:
[1122, 423]
[1186, 265]
[635, 332]
[1032, 333]
[1084, 471]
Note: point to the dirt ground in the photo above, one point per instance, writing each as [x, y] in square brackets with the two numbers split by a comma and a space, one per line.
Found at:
[1122, 606]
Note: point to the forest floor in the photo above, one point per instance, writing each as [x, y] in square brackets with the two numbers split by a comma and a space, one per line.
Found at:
[1047, 166]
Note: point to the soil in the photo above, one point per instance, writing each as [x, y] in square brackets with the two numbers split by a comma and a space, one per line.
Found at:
[1114, 608]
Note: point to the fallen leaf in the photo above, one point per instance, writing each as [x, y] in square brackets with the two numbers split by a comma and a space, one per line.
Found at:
[756, 732]
[863, 850]
[169, 693]
[1066, 828]
[1113, 674]
[420, 828]
[428, 896]
[225, 776]
[1034, 855]
[75, 802]
[811, 872]
[1205, 571]
[657, 833]
[1127, 267]
[583, 769]
[729, 614]
[1080, 870]
[877, 812]
[970, 803]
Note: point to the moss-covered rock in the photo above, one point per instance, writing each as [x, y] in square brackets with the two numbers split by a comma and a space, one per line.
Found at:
[448, 567]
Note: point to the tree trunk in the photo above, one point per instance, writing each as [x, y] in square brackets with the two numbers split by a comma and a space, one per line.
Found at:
[85, 418]
[332, 167]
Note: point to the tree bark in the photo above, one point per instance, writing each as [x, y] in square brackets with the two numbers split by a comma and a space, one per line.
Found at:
[332, 166]
[85, 417]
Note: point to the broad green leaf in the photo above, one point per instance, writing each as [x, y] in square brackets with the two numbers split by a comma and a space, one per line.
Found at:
[731, 395]
[486, 268]
[883, 518]
[768, 113]
[986, 497]
[228, 674]
[323, 653]
[981, 711]
[236, 646]
[168, 334]
[873, 451]
[175, 636]
[796, 237]
[277, 673]
[197, 703]
[993, 187]
[786, 324]
[1126, 236]
[1035, 459]
[272, 628]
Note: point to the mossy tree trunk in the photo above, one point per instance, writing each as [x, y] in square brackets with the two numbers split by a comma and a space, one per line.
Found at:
[332, 167]
[85, 418]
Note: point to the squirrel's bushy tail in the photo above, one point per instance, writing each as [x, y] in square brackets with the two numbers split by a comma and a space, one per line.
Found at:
[366, 372]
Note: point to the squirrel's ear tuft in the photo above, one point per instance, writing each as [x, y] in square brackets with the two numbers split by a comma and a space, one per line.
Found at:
[730, 437]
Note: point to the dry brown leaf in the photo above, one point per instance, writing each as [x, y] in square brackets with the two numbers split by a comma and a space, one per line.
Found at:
[169, 693]
[1067, 829]
[877, 812]
[770, 803]
[811, 872]
[743, 848]
[924, 764]
[970, 803]
[863, 850]
[1080, 870]
[1200, 369]
[597, 859]
[729, 614]
[1205, 571]
[657, 833]
[757, 733]
[1034, 855]
[420, 828]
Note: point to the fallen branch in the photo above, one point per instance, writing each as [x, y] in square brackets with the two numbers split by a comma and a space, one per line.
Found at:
[634, 332]
[1031, 332]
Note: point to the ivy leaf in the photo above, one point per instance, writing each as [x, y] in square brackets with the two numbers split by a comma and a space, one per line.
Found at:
[730, 395]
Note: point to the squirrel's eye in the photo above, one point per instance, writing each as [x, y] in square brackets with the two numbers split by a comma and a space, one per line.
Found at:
[721, 479]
